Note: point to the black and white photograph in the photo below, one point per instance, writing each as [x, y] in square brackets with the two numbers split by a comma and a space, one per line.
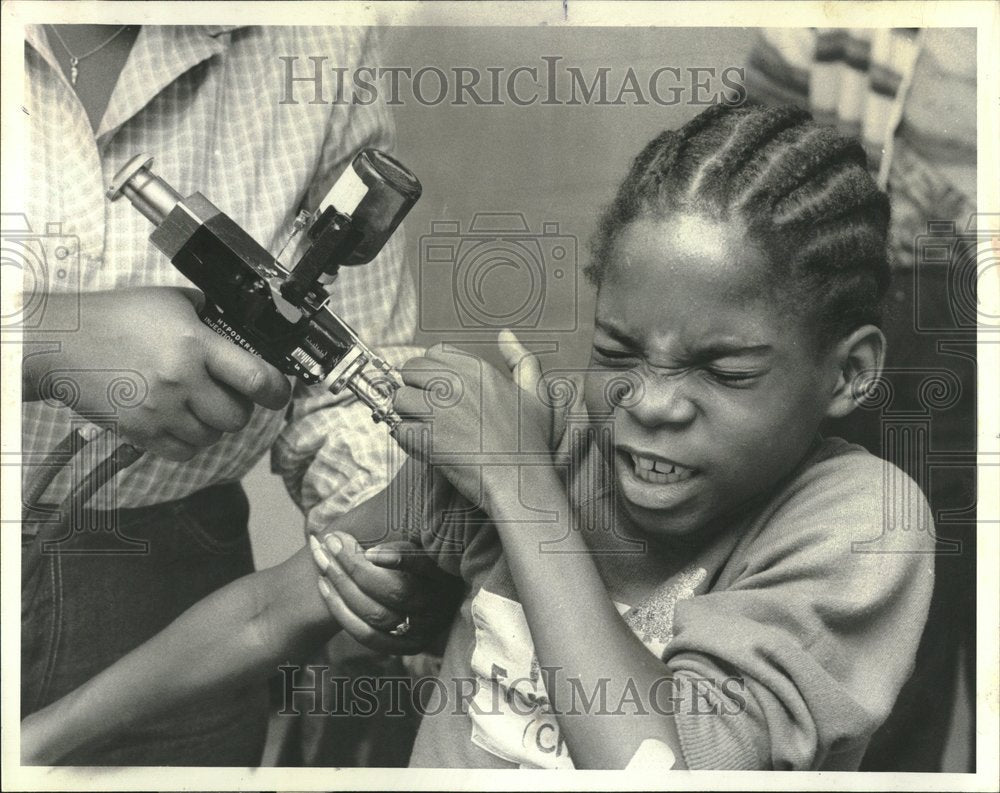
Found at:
[430, 395]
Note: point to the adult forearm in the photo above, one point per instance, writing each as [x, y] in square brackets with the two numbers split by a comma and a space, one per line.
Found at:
[234, 636]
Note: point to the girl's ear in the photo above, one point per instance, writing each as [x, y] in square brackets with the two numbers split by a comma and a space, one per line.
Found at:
[859, 358]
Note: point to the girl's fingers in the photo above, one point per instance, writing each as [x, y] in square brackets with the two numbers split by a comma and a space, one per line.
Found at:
[410, 401]
[404, 556]
[428, 375]
[523, 365]
[414, 437]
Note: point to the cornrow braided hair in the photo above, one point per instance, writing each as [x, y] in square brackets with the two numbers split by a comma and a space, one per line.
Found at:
[802, 192]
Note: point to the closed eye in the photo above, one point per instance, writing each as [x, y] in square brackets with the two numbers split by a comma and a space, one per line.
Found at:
[733, 378]
[611, 356]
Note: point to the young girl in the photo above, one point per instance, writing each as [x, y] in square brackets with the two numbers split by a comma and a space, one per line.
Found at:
[688, 580]
[701, 595]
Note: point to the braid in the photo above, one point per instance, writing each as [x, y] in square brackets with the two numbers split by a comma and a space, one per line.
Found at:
[748, 134]
[802, 191]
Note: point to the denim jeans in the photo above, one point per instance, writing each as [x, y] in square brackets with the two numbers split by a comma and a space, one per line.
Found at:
[93, 597]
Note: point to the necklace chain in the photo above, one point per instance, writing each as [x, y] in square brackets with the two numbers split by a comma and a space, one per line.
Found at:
[74, 60]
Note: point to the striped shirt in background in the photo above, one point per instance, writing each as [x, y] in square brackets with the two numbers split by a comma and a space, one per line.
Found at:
[206, 103]
[847, 77]
[909, 95]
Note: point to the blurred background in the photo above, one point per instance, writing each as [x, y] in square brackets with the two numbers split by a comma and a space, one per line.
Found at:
[511, 194]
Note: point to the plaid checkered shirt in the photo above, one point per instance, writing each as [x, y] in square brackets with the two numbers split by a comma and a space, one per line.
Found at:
[206, 102]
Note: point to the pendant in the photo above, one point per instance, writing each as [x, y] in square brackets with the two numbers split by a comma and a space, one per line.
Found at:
[73, 70]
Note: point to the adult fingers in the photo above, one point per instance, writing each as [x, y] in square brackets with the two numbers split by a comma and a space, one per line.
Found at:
[398, 590]
[252, 377]
[220, 407]
[409, 400]
[438, 593]
[443, 353]
[371, 611]
[370, 637]
[191, 430]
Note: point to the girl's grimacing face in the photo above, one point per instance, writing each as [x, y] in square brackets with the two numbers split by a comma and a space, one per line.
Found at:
[729, 391]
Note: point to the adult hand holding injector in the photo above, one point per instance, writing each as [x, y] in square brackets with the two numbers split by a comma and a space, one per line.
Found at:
[197, 385]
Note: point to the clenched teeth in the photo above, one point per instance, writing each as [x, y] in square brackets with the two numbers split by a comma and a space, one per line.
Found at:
[659, 472]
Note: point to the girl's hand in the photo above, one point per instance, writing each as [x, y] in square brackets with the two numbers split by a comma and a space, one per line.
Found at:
[391, 598]
[527, 375]
[454, 403]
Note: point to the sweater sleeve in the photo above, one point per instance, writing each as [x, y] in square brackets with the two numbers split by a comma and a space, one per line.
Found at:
[432, 515]
[798, 652]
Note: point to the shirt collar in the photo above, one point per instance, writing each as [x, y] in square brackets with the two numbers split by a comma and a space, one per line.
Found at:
[35, 37]
[160, 54]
